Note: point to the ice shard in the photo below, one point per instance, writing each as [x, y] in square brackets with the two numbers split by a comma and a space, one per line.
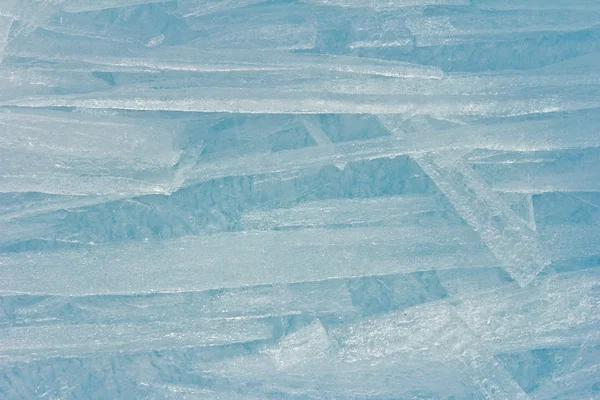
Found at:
[206, 263]
[76, 6]
[459, 28]
[581, 5]
[79, 339]
[248, 302]
[190, 8]
[112, 156]
[341, 213]
[133, 142]
[511, 241]
[5, 25]
[388, 4]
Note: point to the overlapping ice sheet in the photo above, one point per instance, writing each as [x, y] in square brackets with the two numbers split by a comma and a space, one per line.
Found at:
[299, 199]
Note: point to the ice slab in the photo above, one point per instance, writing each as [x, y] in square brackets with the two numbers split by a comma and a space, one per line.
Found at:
[311, 298]
[582, 5]
[21, 81]
[258, 100]
[348, 298]
[563, 241]
[197, 209]
[5, 25]
[54, 175]
[305, 353]
[308, 344]
[112, 156]
[76, 6]
[524, 136]
[496, 331]
[80, 339]
[563, 297]
[341, 213]
[388, 5]
[439, 30]
[280, 365]
[511, 241]
[194, 8]
[290, 37]
[573, 170]
[263, 257]
[103, 54]
[136, 143]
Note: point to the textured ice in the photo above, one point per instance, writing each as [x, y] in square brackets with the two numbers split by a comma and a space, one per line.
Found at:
[299, 199]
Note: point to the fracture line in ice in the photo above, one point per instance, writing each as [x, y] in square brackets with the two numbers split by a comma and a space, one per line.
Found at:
[512, 242]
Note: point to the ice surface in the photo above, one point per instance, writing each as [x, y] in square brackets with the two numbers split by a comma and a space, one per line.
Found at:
[299, 199]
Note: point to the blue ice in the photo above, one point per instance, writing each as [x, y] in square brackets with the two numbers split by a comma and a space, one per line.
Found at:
[299, 199]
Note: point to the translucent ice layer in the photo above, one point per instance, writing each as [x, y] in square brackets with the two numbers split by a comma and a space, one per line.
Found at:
[299, 199]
